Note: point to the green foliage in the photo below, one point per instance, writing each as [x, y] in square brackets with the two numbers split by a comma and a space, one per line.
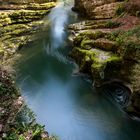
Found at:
[22, 138]
[7, 85]
[25, 126]
[112, 24]
[137, 13]
[129, 38]
[120, 10]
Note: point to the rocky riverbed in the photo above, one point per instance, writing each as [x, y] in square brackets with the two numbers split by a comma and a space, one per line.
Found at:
[106, 44]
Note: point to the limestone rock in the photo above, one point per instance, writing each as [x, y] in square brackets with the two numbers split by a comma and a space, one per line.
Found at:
[97, 9]
[105, 11]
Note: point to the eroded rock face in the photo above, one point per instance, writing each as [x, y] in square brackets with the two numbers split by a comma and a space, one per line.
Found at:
[97, 9]
[109, 56]
[19, 24]
[25, 1]
[109, 50]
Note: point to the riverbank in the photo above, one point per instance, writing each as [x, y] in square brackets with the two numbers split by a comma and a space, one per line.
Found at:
[106, 45]
[19, 24]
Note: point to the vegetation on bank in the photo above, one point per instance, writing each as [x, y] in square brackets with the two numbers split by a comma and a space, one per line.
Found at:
[18, 27]
[129, 6]
[17, 121]
[19, 22]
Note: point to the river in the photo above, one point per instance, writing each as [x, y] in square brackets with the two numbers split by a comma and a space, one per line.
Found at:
[64, 102]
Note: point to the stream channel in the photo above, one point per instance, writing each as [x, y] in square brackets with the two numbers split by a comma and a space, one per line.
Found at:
[64, 102]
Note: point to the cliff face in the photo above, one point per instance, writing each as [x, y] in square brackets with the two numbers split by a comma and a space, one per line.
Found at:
[108, 46]
[97, 9]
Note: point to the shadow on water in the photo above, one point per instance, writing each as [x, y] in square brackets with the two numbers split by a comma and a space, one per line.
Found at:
[66, 104]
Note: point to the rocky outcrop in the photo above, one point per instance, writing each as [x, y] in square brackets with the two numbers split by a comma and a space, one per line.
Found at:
[24, 1]
[19, 23]
[12, 107]
[109, 49]
[18, 27]
[97, 9]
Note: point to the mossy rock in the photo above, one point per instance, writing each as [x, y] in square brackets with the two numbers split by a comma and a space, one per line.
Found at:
[94, 61]
[4, 19]
[101, 43]
[88, 35]
[27, 13]
[14, 37]
[43, 6]
[88, 40]
[94, 24]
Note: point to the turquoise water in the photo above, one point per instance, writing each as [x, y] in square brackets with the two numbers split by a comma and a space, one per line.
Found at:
[64, 102]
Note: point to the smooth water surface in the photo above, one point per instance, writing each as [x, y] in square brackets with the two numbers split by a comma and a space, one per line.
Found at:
[65, 103]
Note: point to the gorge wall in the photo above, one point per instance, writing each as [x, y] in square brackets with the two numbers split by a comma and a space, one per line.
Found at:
[107, 46]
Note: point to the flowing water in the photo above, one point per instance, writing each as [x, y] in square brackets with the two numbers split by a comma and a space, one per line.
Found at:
[65, 103]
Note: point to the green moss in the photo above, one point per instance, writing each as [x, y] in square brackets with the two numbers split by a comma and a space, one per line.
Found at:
[94, 58]
[13, 37]
[112, 24]
[27, 13]
[113, 35]
[105, 24]
[86, 37]
[92, 35]
[44, 6]
[86, 44]
[23, 16]
[121, 9]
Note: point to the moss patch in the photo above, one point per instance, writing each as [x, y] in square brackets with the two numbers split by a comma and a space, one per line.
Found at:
[18, 27]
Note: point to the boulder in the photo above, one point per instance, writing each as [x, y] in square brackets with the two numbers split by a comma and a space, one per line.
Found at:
[97, 9]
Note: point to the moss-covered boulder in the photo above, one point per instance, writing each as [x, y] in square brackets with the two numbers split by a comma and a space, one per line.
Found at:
[14, 37]
[109, 56]
[18, 27]
[94, 24]
[94, 62]
[95, 39]
[13, 110]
